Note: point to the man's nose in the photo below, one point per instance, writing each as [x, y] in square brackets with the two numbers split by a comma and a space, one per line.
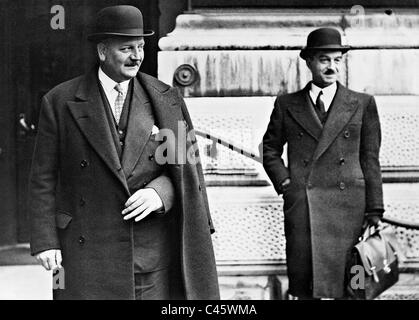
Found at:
[333, 65]
[136, 54]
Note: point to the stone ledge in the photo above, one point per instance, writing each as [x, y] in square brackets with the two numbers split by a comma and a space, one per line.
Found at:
[18, 254]
[269, 72]
[288, 29]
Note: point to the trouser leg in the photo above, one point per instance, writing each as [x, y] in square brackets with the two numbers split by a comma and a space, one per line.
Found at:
[152, 285]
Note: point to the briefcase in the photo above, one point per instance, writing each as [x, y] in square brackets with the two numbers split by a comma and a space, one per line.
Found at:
[374, 263]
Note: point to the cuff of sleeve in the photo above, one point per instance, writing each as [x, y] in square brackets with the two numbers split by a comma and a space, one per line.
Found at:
[374, 213]
[34, 252]
[164, 188]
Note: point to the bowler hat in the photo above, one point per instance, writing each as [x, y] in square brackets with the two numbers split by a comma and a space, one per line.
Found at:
[118, 21]
[324, 39]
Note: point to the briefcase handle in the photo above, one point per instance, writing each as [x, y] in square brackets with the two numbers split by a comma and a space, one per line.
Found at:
[370, 230]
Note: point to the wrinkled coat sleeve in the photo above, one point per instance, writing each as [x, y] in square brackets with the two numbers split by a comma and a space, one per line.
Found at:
[369, 159]
[43, 181]
[273, 147]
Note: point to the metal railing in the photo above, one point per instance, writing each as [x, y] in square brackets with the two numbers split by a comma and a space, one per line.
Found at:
[258, 158]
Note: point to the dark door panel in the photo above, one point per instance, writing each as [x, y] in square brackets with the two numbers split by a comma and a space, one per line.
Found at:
[7, 140]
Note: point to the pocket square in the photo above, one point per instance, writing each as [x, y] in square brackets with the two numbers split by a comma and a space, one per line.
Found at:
[155, 130]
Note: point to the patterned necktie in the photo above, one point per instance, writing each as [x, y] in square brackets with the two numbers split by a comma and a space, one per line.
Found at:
[119, 102]
[321, 111]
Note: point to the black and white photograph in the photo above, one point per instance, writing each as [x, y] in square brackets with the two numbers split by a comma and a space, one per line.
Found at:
[199, 150]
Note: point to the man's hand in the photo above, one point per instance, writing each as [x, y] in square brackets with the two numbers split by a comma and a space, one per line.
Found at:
[373, 220]
[50, 259]
[142, 203]
[285, 184]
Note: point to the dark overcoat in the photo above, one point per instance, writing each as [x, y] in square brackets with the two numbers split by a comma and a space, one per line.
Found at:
[335, 179]
[78, 188]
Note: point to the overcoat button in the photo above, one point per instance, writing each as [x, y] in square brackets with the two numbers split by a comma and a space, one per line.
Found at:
[346, 134]
[144, 184]
[81, 240]
[121, 132]
[84, 163]
[341, 185]
[151, 157]
[300, 134]
[342, 161]
[121, 143]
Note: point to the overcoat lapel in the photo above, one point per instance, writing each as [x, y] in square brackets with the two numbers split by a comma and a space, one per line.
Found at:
[89, 113]
[140, 124]
[166, 107]
[302, 111]
[341, 111]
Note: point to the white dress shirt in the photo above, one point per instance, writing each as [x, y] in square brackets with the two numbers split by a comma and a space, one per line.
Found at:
[108, 86]
[328, 94]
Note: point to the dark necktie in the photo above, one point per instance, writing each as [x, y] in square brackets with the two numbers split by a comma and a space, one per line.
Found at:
[321, 111]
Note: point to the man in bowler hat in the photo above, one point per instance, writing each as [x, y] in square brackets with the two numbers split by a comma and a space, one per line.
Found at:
[332, 184]
[119, 222]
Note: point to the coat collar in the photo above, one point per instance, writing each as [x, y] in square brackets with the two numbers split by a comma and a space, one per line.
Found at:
[302, 111]
[341, 110]
[89, 112]
[343, 107]
[140, 124]
[166, 102]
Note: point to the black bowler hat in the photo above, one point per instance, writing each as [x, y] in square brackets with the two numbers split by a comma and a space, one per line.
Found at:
[323, 39]
[118, 21]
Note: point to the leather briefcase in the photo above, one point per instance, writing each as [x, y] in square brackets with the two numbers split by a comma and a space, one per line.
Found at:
[374, 263]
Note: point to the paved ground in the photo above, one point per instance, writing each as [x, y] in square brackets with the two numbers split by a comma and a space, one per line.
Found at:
[32, 282]
[25, 282]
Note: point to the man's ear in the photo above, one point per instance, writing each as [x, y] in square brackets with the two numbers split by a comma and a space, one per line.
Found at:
[101, 51]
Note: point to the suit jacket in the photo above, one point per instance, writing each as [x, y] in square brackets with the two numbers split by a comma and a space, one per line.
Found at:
[78, 188]
[335, 178]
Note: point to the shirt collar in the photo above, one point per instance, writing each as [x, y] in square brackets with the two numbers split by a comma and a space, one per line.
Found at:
[109, 84]
[328, 91]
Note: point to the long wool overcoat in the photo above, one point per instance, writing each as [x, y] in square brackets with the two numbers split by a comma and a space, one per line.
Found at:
[78, 189]
[335, 179]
